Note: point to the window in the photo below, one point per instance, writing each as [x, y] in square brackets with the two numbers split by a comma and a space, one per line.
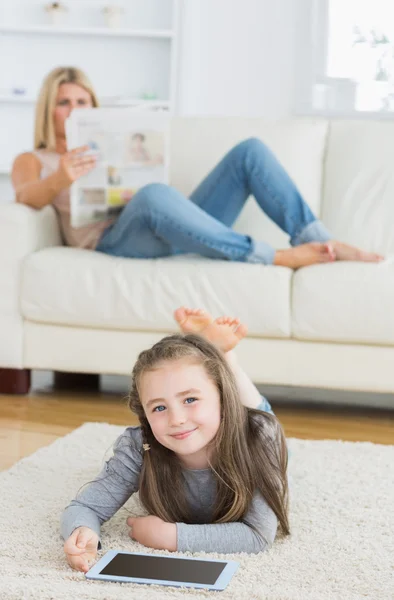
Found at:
[351, 58]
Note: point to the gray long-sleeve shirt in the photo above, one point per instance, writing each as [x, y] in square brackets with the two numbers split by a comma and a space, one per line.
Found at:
[119, 479]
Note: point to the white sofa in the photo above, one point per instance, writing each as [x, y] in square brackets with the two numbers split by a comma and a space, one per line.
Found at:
[329, 326]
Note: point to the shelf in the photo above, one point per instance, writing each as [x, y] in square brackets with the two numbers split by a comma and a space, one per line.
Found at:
[108, 103]
[17, 99]
[104, 102]
[93, 31]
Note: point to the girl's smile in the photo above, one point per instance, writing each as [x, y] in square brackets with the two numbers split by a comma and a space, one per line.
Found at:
[183, 434]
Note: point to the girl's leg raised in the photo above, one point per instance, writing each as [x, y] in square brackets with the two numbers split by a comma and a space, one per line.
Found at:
[225, 333]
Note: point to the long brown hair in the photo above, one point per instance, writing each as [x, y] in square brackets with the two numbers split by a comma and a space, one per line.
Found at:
[249, 449]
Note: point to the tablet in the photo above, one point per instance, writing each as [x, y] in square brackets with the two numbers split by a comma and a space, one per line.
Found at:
[135, 567]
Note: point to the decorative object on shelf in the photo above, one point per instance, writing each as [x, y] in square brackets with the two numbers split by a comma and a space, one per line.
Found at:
[18, 91]
[149, 95]
[14, 91]
[56, 12]
[112, 14]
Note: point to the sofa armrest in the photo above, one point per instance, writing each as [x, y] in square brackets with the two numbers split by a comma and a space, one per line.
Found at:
[23, 230]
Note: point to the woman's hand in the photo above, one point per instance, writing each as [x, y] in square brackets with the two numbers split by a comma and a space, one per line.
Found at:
[153, 532]
[74, 164]
[81, 548]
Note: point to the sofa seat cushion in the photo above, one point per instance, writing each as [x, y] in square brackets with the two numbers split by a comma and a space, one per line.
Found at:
[81, 288]
[349, 302]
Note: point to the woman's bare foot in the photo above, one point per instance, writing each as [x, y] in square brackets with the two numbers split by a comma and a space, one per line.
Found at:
[225, 332]
[305, 255]
[192, 320]
[346, 252]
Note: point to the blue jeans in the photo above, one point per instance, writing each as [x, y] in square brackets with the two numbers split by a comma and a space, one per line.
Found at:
[265, 406]
[159, 221]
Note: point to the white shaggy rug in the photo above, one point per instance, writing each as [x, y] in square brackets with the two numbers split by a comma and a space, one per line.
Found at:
[342, 521]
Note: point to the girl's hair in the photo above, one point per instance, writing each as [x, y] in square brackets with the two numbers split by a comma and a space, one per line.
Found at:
[249, 449]
[44, 131]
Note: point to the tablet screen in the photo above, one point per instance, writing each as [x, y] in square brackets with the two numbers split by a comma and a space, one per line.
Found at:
[162, 568]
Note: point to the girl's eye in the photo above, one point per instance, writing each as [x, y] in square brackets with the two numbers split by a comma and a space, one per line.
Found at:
[158, 408]
[192, 400]
[82, 102]
[62, 102]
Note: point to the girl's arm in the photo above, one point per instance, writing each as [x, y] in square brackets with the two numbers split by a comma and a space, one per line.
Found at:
[103, 497]
[256, 532]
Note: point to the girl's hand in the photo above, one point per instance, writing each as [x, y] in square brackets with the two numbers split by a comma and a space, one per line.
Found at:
[153, 532]
[81, 548]
[74, 164]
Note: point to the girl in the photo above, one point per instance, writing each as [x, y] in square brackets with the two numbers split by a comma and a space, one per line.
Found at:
[208, 461]
[160, 221]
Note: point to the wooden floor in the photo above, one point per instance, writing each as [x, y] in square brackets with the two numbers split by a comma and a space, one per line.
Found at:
[29, 422]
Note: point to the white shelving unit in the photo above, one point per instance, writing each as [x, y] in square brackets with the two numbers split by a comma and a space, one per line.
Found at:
[165, 104]
[126, 64]
[94, 31]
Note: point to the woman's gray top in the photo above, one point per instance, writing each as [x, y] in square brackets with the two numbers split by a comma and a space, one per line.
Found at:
[119, 479]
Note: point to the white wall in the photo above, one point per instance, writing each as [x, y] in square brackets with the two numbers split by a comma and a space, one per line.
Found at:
[238, 57]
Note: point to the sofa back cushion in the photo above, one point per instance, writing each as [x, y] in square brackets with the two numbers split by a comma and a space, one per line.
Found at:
[358, 203]
[198, 143]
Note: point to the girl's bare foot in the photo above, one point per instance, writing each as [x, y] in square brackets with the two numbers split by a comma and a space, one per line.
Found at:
[346, 252]
[305, 255]
[192, 320]
[225, 333]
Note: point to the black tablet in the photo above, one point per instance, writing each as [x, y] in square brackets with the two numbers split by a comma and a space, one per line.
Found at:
[161, 569]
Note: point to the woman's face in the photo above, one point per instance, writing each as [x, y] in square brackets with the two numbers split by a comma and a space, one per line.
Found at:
[69, 96]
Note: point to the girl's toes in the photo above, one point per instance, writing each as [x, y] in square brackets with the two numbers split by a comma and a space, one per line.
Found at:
[241, 331]
[180, 314]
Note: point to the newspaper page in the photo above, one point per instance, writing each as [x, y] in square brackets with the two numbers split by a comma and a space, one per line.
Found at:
[132, 150]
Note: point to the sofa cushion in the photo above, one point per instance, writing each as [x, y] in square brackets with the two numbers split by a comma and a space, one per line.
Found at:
[198, 143]
[345, 302]
[88, 289]
[358, 203]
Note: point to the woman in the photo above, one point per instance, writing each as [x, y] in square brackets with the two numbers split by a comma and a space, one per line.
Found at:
[160, 221]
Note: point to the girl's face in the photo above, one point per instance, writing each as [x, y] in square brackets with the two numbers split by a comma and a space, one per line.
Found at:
[182, 406]
[69, 96]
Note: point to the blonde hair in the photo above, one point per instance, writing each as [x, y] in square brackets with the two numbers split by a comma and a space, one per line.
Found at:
[249, 449]
[44, 131]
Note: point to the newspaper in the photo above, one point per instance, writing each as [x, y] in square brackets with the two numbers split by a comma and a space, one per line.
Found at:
[132, 150]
